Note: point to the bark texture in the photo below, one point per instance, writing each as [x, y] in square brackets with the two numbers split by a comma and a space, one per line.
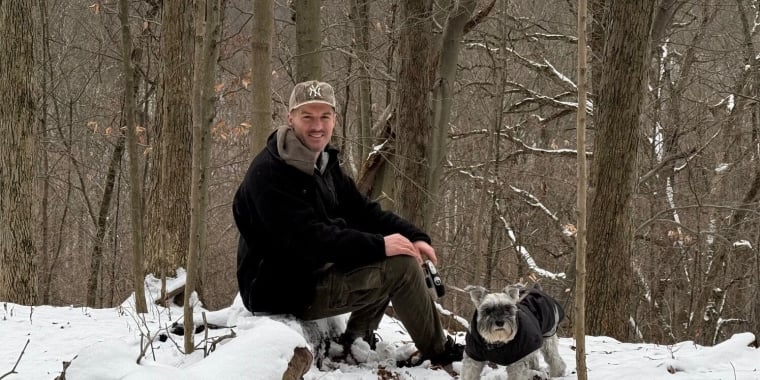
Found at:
[18, 151]
[135, 189]
[261, 73]
[414, 119]
[614, 176]
[308, 40]
[169, 204]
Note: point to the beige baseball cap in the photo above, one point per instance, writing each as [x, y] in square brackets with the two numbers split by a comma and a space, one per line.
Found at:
[309, 92]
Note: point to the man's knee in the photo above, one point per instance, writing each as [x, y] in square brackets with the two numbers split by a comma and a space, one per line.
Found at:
[403, 268]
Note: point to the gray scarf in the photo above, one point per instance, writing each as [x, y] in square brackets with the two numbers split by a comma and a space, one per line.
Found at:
[295, 153]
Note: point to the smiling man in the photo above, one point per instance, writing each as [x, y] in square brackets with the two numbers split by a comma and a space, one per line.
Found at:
[312, 115]
[313, 246]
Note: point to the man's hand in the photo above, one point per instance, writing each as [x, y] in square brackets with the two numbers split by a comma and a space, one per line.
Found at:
[426, 250]
[397, 244]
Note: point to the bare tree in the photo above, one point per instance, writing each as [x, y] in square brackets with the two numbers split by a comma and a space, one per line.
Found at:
[18, 152]
[308, 40]
[458, 18]
[413, 124]
[428, 66]
[678, 260]
[135, 191]
[580, 237]
[207, 15]
[168, 213]
[261, 72]
[360, 16]
[618, 108]
[44, 183]
[96, 262]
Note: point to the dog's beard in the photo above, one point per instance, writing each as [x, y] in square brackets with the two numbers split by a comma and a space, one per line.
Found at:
[493, 333]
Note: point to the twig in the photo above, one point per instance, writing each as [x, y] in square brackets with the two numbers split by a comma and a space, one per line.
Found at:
[205, 335]
[220, 338]
[144, 347]
[13, 370]
[140, 318]
[177, 345]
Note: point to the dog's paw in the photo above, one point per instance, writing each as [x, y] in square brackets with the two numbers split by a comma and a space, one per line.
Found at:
[558, 370]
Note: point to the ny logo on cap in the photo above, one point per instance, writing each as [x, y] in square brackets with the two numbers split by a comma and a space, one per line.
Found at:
[315, 91]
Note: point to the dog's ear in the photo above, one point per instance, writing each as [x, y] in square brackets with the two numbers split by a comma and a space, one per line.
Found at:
[512, 292]
[476, 293]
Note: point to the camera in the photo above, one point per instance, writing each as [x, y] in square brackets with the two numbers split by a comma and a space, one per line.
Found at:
[433, 279]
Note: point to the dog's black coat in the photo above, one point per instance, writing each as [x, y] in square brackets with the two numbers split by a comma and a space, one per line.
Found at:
[536, 319]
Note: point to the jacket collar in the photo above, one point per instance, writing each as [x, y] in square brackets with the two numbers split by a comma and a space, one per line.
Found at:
[286, 147]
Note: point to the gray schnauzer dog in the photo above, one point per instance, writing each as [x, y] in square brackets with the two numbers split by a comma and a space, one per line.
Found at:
[510, 329]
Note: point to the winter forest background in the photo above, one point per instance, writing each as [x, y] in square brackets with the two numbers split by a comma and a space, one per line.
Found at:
[459, 115]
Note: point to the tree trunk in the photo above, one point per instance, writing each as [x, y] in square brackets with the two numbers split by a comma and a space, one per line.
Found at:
[371, 175]
[443, 98]
[18, 150]
[207, 31]
[360, 18]
[490, 192]
[135, 189]
[44, 238]
[376, 177]
[96, 261]
[308, 40]
[620, 95]
[413, 128]
[166, 239]
[261, 73]
[579, 323]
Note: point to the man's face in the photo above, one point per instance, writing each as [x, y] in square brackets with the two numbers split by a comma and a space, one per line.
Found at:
[313, 125]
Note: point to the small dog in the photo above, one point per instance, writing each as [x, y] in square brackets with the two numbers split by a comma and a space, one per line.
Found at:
[509, 329]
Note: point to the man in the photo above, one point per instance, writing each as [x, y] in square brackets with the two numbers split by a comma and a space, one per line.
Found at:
[313, 246]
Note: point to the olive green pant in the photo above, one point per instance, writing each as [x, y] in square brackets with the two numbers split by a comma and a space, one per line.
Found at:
[366, 291]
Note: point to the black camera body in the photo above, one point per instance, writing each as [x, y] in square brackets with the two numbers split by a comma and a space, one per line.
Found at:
[433, 279]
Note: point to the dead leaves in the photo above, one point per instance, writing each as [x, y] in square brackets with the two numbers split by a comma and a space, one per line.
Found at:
[95, 7]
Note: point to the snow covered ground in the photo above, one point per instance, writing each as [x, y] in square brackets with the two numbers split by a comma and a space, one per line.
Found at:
[106, 344]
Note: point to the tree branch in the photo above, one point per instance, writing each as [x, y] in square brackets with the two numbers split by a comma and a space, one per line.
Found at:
[665, 162]
[13, 370]
[479, 17]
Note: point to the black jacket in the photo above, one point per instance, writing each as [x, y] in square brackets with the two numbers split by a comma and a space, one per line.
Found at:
[292, 224]
[538, 316]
